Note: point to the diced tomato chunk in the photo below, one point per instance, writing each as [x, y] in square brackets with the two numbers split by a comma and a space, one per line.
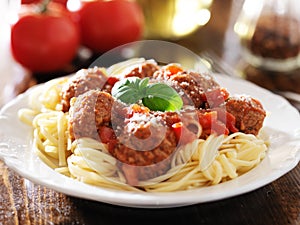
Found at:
[183, 134]
[218, 121]
[216, 97]
[227, 118]
[140, 109]
[172, 69]
[230, 122]
[112, 80]
[137, 109]
[207, 118]
[106, 134]
[219, 128]
[177, 128]
[225, 93]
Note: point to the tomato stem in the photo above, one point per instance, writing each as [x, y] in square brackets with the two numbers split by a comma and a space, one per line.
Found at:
[44, 6]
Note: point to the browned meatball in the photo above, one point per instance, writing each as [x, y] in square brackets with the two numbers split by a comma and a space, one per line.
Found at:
[146, 69]
[194, 85]
[89, 112]
[83, 81]
[147, 164]
[144, 147]
[248, 112]
[146, 142]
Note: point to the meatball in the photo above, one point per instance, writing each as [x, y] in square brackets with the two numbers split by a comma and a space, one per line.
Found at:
[144, 143]
[248, 112]
[142, 165]
[146, 69]
[194, 85]
[83, 81]
[147, 141]
[88, 113]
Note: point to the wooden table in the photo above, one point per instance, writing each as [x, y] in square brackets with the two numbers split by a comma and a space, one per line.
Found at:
[23, 202]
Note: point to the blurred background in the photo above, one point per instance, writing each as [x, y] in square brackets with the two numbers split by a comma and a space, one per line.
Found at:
[258, 40]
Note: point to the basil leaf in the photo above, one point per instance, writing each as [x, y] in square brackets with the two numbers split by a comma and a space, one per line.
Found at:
[157, 104]
[143, 83]
[157, 96]
[127, 90]
[161, 94]
[129, 96]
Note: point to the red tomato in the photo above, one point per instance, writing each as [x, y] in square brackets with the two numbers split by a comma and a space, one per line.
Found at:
[108, 24]
[29, 1]
[45, 42]
[63, 2]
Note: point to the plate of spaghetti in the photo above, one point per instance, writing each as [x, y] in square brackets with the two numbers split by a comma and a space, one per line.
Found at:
[142, 134]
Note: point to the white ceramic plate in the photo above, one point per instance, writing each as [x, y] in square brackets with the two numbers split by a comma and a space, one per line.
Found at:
[282, 125]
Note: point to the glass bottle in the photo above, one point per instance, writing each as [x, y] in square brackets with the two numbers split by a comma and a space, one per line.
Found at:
[173, 19]
[269, 31]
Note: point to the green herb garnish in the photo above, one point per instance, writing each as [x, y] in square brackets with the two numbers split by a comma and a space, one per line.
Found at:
[156, 96]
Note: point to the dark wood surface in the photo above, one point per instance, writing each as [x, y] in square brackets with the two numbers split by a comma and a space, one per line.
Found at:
[23, 202]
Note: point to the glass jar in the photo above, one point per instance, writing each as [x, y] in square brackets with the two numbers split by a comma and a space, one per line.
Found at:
[173, 19]
[269, 31]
